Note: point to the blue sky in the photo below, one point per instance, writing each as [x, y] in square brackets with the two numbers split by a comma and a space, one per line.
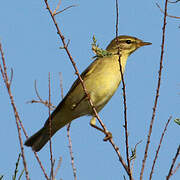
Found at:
[31, 48]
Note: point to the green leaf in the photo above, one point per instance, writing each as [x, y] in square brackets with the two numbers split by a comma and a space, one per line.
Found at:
[98, 51]
[177, 120]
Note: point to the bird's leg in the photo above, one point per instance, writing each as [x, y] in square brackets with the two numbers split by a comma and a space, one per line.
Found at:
[93, 124]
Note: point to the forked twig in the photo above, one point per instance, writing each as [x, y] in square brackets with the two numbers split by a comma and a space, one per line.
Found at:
[57, 7]
[65, 9]
[45, 102]
[157, 93]
[176, 17]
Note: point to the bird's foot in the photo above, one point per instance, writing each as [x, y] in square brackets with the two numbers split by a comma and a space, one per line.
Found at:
[108, 136]
[107, 133]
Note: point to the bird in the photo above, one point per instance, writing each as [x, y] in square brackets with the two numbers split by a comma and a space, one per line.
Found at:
[101, 79]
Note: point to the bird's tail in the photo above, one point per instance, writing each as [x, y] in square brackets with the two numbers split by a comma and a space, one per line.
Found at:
[38, 140]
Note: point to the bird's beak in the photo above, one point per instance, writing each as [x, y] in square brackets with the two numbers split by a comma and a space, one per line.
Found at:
[144, 44]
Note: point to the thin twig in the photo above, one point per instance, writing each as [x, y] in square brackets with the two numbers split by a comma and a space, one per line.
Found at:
[157, 93]
[124, 95]
[133, 160]
[42, 102]
[57, 7]
[117, 18]
[176, 17]
[173, 163]
[175, 170]
[50, 131]
[16, 169]
[61, 85]
[58, 166]
[64, 9]
[40, 163]
[11, 78]
[7, 83]
[84, 88]
[159, 146]
[174, 1]
[71, 152]
[68, 135]
[45, 102]
[21, 174]
[37, 93]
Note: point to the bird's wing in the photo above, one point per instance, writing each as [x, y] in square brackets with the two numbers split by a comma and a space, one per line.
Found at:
[84, 75]
[76, 100]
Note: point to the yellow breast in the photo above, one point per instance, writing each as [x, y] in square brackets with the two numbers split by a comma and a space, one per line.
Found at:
[104, 80]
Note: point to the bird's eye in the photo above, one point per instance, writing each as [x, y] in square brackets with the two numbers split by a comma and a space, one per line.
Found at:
[128, 41]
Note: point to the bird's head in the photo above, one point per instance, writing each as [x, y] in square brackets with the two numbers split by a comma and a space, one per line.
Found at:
[125, 44]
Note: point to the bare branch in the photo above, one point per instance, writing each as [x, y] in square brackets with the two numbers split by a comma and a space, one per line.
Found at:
[70, 150]
[176, 17]
[16, 168]
[5, 78]
[124, 97]
[157, 151]
[50, 131]
[157, 93]
[173, 163]
[40, 163]
[6, 81]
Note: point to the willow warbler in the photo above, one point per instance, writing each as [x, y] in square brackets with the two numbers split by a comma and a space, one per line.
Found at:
[101, 80]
